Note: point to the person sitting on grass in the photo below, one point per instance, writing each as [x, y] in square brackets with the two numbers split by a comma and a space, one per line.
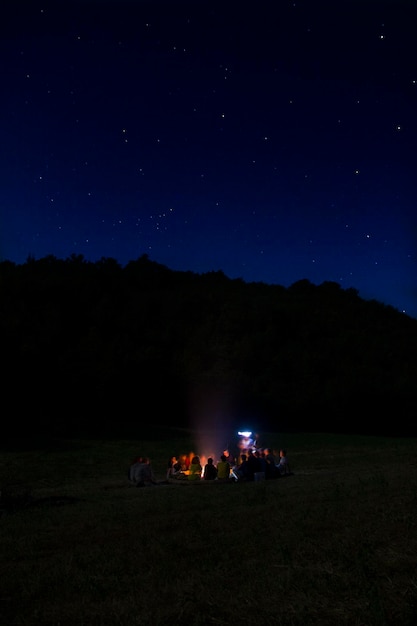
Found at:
[271, 470]
[241, 471]
[284, 466]
[195, 469]
[174, 468]
[141, 473]
[210, 470]
[254, 465]
[223, 469]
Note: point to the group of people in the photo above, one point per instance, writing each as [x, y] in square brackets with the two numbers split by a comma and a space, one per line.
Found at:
[248, 466]
[261, 464]
[194, 470]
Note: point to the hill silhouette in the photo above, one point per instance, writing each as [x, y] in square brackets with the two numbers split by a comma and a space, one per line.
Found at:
[104, 350]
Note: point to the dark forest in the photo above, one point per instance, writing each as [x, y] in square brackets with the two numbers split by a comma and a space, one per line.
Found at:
[97, 349]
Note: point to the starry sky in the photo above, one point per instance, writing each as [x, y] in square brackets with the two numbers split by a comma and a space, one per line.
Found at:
[274, 141]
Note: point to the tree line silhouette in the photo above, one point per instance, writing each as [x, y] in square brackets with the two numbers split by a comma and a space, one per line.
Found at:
[100, 349]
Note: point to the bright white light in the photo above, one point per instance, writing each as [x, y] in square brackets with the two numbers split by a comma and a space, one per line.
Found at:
[244, 433]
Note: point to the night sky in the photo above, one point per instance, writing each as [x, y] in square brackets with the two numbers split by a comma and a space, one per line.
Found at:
[274, 141]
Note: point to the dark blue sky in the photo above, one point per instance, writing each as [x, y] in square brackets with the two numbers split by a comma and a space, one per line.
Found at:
[274, 141]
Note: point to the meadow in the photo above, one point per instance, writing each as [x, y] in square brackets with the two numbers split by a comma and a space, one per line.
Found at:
[336, 543]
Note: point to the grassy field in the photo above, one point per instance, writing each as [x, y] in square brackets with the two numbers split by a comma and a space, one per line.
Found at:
[336, 543]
